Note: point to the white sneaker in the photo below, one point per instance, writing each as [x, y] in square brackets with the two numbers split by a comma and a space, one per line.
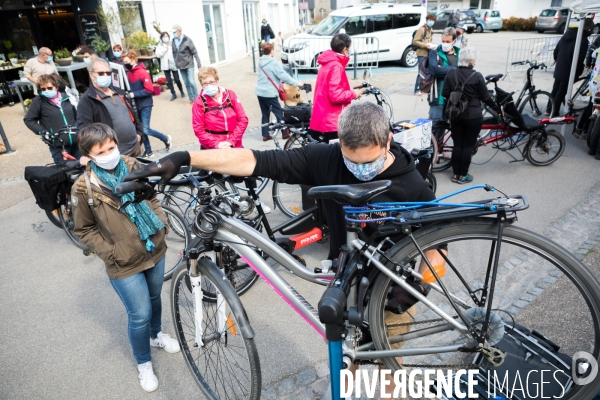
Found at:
[165, 341]
[148, 381]
[266, 208]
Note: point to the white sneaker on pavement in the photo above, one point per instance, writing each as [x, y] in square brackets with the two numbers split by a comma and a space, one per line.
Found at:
[165, 341]
[148, 381]
[266, 208]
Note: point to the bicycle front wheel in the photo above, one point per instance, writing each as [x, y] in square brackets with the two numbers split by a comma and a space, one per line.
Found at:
[226, 365]
[545, 148]
[445, 146]
[539, 285]
[65, 215]
[177, 240]
[538, 104]
[288, 198]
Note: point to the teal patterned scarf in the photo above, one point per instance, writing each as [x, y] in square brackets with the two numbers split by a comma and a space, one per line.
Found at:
[141, 214]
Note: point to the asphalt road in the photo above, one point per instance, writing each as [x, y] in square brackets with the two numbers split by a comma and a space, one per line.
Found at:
[64, 329]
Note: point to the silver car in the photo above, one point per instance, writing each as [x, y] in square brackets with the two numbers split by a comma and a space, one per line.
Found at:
[552, 19]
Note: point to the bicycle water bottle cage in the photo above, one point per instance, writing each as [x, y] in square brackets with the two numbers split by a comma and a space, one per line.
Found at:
[357, 194]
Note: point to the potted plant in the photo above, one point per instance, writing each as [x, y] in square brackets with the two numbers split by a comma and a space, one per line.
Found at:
[78, 57]
[156, 88]
[162, 81]
[63, 57]
[27, 104]
[100, 46]
[150, 46]
[13, 58]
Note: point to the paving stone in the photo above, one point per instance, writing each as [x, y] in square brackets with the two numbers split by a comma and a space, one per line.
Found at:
[268, 393]
[528, 297]
[556, 273]
[521, 303]
[320, 387]
[305, 378]
[508, 265]
[535, 291]
[513, 310]
[286, 386]
[322, 370]
[549, 279]
[303, 394]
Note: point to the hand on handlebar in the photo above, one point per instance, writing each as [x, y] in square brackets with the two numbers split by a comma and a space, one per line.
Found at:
[166, 168]
[357, 93]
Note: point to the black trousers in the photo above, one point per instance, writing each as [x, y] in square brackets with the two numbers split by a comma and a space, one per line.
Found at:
[464, 135]
[559, 91]
[171, 79]
[595, 147]
[323, 137]
[269, 105]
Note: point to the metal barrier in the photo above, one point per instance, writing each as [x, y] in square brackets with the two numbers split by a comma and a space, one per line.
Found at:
[302, 53]
[538, 48]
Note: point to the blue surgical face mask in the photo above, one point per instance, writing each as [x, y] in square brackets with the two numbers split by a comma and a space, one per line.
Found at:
[430, 23]
[365, 172]
[165, 39]
[264, 22]
[49, 59]
[117, 54]
[211, 90]
[104, 81]
[87, 60]
[49, 93]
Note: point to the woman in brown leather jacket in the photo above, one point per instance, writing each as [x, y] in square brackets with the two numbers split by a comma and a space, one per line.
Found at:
[131, 243]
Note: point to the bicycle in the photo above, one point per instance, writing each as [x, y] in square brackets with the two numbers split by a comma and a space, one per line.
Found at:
[217, 340]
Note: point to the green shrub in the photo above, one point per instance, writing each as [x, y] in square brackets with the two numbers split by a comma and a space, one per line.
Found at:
[519, 24]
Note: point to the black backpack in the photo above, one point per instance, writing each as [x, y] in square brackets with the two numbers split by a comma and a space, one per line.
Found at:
[426, 78]
[457, 103]
[49, 185]
[412, 46]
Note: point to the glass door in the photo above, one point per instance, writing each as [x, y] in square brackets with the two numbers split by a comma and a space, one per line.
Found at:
[215, 40]
[250, 25]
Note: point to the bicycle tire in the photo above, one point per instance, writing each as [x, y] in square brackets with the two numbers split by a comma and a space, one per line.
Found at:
[259, 188]
[590, 131]
[434, 148]
[288, 198]
[208, 363]
[580, 97]
[432, 179]
[541, 145]
[574, 282]
[536, 104]
[53, 217]
[67, 222]
[295, 141]
[177, 240]
[445, 146]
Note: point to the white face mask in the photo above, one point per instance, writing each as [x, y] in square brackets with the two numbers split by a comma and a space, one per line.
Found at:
[446, 47]
[108, 161]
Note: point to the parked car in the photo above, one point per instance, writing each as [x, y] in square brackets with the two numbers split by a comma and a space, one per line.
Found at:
[552, 19]
[488, 20]
[467, 19]
[390, 25]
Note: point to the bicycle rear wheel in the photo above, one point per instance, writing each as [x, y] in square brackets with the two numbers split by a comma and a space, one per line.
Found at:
[288, 198]
[295, 141]
[445, 146]
[177, 240]
[537, 282]
[54, 218]
[537, 105]
[226, 366]
[65, 215]
[545, 148]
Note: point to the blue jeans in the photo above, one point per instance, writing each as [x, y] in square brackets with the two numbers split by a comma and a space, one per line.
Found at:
[145, 114]
[190, 82]
[140, 295]
[269, 105]
[436, 114]
[417, 81]
[56, 153]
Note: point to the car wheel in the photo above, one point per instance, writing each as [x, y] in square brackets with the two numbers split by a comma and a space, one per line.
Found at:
[540, 31]
[409, 58]
[470, 30]
[479, 29]
[561, 29]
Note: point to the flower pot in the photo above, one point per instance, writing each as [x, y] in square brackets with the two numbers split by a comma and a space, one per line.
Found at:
[14, 60]
[79, 58]
[150, 53]
[144, 52]
[63, 62]
[156, 90]
[163, 88]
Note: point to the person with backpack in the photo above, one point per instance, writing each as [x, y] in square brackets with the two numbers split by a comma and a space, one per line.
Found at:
[422, 44]
[218, 118]
[441, 60]
[270, 77]
[465, 89]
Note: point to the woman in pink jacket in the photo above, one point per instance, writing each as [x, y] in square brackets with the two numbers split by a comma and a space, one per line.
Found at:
[218, 117]
[332, 90]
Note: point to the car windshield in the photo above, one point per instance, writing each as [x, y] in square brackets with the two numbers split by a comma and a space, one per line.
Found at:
[467, 14]
[328, 26]
[548, 13]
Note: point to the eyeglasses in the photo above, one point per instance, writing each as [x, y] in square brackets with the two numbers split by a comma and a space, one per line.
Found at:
[208, 83]
[103, 73]
[45, 54]
[43, 89]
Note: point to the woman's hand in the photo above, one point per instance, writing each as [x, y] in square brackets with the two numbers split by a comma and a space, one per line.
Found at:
[84, 160]
[224, 145]
[131, 95]
[357, 93]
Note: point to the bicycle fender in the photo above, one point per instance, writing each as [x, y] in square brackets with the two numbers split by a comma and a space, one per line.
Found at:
[209, 268]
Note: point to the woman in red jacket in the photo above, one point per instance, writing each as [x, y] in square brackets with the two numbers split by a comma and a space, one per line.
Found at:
[332, 90]
[218, 117]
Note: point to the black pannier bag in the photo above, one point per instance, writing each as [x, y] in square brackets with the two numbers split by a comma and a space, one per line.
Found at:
[297, 114]
[511, 114]
[48, 184]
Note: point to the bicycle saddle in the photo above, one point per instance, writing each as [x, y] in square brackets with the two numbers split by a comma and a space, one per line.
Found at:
[531, 124]
[357, 194]
[493, 78]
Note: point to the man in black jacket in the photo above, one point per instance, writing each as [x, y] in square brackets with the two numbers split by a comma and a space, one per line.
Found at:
[109, 105]
[563, 55]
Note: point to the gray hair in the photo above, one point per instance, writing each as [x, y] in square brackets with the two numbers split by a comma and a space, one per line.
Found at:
[363, 124]
[450, 31]
[466, 56]
[94, 134]
[96, 60]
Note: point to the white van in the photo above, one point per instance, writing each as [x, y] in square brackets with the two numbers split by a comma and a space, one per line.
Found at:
[391, 26]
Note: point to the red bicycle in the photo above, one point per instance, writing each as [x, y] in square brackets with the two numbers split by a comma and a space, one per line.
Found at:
[511, 130]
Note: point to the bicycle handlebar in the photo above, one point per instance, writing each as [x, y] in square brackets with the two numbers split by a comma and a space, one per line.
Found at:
[128, 187]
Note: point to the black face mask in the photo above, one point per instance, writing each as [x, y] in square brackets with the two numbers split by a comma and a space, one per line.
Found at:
[128, 66]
